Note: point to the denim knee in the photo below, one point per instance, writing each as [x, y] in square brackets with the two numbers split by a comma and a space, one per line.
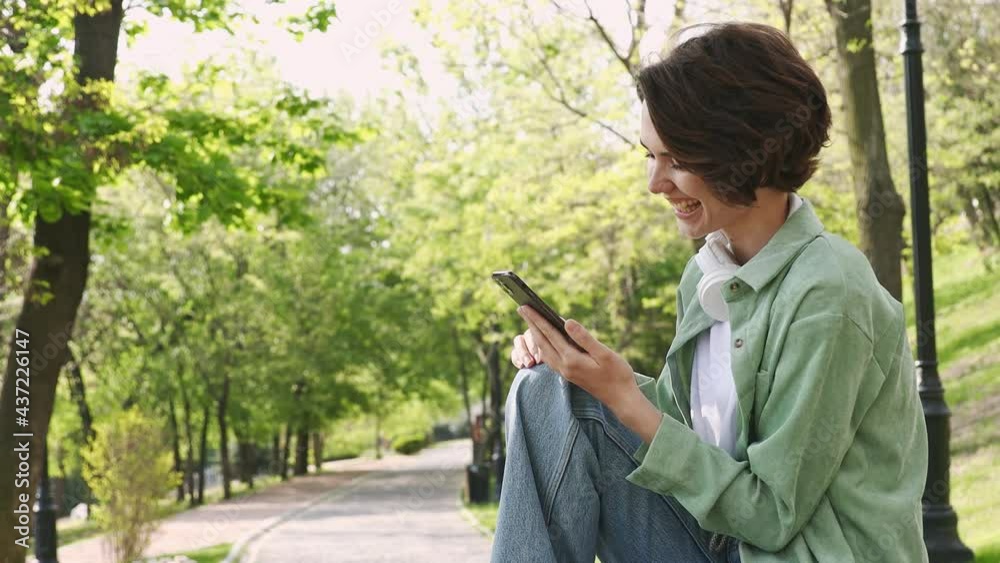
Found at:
[537, 387]
[538, 375]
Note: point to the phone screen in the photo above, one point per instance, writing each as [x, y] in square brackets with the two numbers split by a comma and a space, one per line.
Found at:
[519, 291]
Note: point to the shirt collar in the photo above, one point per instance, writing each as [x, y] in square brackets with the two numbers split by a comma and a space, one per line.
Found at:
[800, 228]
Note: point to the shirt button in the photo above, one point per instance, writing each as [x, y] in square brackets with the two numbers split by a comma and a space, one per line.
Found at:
[738, 343]
[734, 286]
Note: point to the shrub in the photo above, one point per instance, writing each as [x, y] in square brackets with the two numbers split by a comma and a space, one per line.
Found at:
[347, 438]
[409, 443]
[128, 468]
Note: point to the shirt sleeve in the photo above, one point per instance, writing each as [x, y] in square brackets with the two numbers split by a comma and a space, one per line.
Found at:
[802, 434]
[659, 391]
[647, 385]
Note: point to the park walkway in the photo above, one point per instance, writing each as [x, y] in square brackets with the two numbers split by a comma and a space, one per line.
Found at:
[316, 513]
[407, 511]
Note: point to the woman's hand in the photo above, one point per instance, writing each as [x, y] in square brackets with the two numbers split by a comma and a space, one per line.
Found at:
[525, 353]
[599, 370]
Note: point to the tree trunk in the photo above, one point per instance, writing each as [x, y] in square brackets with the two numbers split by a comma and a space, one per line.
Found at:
[378, 422]
[879, 208]
[244, 459]
[78, 393]
[44, 330]
[496, 393]
[302, 450]
[285, 451]
[224, 437]
[5, 197]
[175, 438]
[489, 355]
[317, 439]
[203, 453]
[189, 434]
[463, 376]
[248, 462]
[485, 391]
[48, 322]
[990, 221]
[276, 452]
[494, 439]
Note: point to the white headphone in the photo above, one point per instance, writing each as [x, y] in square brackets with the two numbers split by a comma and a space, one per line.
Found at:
[718, 265]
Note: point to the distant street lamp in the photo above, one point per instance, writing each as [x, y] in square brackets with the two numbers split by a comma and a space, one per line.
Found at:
[940, 521]
[45, 514]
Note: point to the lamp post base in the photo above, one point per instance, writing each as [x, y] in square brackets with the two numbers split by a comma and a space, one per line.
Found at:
[941, 536]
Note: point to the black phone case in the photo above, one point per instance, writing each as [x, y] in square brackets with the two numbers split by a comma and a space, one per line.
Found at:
[519, 291]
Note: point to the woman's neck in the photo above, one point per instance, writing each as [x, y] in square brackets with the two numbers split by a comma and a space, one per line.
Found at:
[751, 233]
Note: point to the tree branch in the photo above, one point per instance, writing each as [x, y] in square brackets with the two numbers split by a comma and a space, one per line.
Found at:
[607, 39]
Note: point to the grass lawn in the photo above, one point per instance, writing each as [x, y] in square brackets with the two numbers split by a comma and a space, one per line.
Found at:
[485, 514]
[967, 302]
[212, 554]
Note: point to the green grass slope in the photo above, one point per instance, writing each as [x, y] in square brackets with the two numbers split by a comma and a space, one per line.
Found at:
[967, 302]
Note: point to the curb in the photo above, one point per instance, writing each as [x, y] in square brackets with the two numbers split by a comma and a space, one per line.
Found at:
[472, 520]
[237, 552]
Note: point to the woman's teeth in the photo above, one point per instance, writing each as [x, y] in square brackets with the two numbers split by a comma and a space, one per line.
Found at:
[686, 206]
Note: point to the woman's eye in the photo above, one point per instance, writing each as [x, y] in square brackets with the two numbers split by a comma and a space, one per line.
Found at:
[673, 163]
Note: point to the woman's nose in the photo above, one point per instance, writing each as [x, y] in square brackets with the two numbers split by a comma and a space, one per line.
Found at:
[660, 182]
[659, 178]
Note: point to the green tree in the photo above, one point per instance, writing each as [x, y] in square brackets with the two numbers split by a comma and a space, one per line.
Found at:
[91, 138]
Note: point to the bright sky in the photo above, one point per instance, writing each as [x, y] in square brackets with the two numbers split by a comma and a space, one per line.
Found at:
[344, 58]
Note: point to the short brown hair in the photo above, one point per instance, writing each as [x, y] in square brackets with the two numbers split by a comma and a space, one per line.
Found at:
[739, 107]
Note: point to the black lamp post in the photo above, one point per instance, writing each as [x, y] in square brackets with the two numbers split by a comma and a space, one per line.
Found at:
[45, 514]
[940, 521]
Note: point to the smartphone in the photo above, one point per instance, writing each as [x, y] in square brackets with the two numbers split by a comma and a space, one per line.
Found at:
[523, 295]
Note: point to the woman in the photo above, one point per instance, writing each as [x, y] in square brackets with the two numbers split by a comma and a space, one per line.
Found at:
[786, 424]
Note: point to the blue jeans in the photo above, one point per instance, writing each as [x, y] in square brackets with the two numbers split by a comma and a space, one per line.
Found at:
[564, 494]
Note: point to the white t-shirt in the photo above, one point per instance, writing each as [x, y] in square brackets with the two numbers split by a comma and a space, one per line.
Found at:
[713, 391]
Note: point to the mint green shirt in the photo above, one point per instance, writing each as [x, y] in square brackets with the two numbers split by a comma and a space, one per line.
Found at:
[831, 451]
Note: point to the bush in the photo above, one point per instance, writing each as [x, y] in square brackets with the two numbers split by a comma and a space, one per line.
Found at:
[409, 443]
[347, 438]
[128, 468]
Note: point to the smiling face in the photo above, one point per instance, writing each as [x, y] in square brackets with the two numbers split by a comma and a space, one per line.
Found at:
[697, 209]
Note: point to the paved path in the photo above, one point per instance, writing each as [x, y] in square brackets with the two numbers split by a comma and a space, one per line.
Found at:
[399, 508]
[222, 522]
[407, 511]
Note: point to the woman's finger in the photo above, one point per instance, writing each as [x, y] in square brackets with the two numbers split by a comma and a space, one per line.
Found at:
[543, 330]
[530, 346]
[520, 356]
[550, 353]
